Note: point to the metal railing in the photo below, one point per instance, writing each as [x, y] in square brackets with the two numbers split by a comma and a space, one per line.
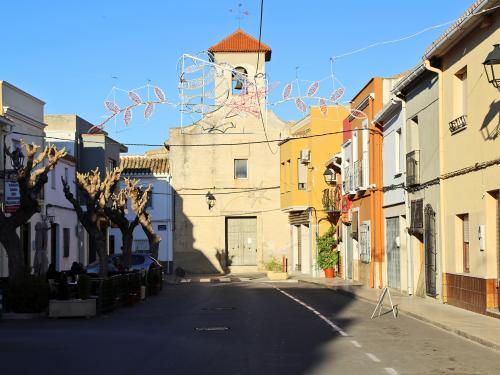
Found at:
[458, 124]
[358, 174]
[347, 180]
[332, 200]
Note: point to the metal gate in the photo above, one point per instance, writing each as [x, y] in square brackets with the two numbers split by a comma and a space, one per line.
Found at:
[241, 240]
[430, 251]
[348, 251]
[393, 253]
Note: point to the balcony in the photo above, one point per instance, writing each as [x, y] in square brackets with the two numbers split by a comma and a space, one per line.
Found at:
[360, 179]
[457, 125]
[412, 168]
[332, 200]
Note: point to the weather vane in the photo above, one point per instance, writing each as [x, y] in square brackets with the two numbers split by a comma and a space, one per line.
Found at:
[240, 13]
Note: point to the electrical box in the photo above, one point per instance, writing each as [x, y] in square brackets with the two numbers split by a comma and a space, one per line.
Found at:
[481, 237]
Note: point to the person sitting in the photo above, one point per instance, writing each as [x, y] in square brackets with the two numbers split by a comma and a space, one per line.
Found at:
[52, 274]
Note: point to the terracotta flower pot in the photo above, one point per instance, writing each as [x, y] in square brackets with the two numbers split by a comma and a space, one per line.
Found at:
[329, 273]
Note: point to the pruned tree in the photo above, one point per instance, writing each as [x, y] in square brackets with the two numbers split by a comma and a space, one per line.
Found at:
[139, 198]
[117, 213]
[31, 179]
[97, 195]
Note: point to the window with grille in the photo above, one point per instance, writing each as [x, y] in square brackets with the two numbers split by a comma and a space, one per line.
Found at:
[365, 243]
[417, 217]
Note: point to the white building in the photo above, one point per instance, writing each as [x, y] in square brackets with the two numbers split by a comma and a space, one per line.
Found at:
[63, 235]
[150, 169]
[22, 116]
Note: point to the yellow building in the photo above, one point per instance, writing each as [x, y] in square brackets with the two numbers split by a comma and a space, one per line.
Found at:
[470, 152]
[312, 204]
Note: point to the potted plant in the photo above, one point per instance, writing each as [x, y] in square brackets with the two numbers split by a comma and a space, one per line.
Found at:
[328, 256]
[275, 270]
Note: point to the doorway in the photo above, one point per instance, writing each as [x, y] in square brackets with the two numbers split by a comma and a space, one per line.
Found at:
[393, 253]
[430, 251]
[348, 251]
[241, 241]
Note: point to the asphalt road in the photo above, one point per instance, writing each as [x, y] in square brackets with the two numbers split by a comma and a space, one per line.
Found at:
[240, 328]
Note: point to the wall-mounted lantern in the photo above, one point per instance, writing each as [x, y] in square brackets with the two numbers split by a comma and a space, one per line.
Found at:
[492, 66]
[210, 200]
[16, 157]
[330, 176]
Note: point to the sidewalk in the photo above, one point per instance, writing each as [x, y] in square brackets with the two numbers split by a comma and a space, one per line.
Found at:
[476, 327]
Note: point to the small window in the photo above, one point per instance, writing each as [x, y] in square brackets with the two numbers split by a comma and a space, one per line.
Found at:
[149, 204]
[240, 168]
[66, 239]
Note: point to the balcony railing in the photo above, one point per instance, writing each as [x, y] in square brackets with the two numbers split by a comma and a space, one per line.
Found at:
[458, 124]
[412, 168]
[358, 174]
[332, 200]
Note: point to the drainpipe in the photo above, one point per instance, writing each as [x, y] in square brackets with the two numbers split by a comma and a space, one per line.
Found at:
[442, 241]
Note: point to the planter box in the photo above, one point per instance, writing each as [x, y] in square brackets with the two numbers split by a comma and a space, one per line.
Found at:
[72, 308]
[272, 275]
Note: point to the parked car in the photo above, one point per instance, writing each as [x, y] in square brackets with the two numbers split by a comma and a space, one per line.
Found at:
[138, 262]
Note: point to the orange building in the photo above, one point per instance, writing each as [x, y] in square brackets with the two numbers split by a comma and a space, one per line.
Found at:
[363, 180]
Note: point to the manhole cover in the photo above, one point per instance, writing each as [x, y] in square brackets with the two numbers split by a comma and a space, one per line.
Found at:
[212, 328]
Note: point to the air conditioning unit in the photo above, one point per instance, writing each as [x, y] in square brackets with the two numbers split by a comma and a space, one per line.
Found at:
[305, 156]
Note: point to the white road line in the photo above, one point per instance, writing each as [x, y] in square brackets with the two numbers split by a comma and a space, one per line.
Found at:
[245, 279]
[224, 280]
[322, 317]
[356, 344]
[185, 280]
[391, 371]
[373, 357]
[204, 280]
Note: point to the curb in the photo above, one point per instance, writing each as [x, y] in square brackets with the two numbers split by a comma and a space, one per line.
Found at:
[477, 339]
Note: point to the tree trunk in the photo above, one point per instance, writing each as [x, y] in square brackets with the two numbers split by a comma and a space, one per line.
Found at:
[98, 240]
[127, 239]
[12, 244]
[154, 242]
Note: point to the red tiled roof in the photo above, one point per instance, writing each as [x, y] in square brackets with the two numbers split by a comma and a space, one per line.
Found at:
[455, 25]
[132, 164]
[240, 41]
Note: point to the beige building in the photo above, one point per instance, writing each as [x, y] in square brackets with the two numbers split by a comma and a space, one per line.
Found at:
[226, 179]
[470, 172]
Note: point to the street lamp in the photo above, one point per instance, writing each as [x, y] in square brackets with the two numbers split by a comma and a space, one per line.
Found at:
[16, 157]
[329, 176]
[492, 66]
[210, 200]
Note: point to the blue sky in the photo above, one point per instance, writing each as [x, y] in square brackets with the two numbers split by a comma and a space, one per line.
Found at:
[66, 52]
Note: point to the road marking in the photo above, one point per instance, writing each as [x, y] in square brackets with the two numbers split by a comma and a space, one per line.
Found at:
[245, 279]
[185, 280]
[224, 280]
[356, 344]
[373, 357]
[212, 328]
[391, 371]
[322, 317]
[204, 280]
